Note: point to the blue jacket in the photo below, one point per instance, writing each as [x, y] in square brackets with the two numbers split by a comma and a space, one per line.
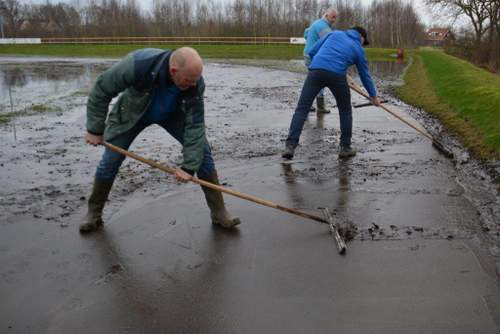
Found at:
[338, 50]
[316, 30]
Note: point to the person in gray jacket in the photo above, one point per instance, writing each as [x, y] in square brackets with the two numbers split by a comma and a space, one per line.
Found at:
[157, 87]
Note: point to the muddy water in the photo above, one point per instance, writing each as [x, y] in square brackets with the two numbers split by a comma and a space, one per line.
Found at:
[24, 84]
[158, 263]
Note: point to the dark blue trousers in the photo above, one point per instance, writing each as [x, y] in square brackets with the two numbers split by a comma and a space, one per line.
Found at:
[315, 81]
[111, 161]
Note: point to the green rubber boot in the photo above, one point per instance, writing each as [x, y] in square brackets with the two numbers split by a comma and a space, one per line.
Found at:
[215, 202]
[97, 200]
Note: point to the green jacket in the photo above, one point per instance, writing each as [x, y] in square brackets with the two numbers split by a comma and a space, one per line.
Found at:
[135, 77]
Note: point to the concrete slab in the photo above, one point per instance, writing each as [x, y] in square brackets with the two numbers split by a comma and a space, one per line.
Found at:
[159, 266]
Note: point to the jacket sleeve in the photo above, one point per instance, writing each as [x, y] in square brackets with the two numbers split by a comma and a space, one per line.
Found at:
[194, 131]
[315, 48]
[364, 74]
[108, 85]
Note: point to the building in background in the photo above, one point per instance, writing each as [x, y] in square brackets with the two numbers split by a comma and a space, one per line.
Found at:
[438, 36]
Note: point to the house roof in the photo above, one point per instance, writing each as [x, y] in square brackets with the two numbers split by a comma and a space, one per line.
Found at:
[437, 34]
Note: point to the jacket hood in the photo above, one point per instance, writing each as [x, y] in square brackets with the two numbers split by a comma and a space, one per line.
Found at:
[353, 34]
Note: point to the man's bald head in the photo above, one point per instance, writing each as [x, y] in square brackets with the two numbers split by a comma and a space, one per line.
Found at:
[331, 15]
[185, 67]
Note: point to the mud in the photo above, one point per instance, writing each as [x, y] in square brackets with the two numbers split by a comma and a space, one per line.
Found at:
[398, 193]
[47, 168]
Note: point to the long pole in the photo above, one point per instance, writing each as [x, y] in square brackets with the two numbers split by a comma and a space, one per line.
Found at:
[207, 184]
[340, 242]
[436, 143]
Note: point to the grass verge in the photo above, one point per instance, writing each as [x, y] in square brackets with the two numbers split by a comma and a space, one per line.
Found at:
[464, 97]
[287, 51]
[120, 50]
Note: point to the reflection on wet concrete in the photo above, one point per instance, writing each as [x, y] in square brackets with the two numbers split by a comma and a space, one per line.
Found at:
[12, 77]
[387, 70]
[342, 205]
[420, 262]
[44, 82]
[293, 189]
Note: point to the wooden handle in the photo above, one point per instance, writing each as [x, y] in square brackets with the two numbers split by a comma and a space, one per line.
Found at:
[207, 184]
[436, 143]
[360, 91]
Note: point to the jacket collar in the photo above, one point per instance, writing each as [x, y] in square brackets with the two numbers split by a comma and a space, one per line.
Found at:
[326, 21]
[161, 71]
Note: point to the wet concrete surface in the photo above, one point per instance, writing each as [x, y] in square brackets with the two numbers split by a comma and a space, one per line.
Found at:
[424, 258]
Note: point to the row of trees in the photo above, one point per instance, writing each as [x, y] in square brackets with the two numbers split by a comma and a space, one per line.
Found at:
[391, 23]
[480, 40]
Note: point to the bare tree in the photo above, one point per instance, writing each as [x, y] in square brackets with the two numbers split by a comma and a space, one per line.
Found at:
[11, 13]
[474, 10]
[484, 19]
[391, 23]
[493, 9]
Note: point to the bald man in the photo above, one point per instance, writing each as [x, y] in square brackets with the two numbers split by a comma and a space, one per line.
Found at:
[157, 87]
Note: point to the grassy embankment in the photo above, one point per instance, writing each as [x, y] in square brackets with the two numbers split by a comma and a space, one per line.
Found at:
[206, 51]
[464, 97]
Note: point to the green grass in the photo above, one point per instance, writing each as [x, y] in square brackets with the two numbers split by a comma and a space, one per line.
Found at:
[6, 118]
[117, 51]
[464, 97]
[379, 54]
[41, 108]
[206, 51]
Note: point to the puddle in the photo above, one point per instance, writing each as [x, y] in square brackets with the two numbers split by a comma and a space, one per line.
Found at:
[39, 85]
[387, 70]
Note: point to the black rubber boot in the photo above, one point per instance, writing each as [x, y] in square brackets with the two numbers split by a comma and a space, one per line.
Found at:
[215, 202]
[97, 200]
[320, 102]
[346, 152]
[289, 151]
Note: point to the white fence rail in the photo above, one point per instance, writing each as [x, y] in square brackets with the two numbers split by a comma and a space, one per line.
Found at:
[297, 40]
[154, 40]
[20, 41]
